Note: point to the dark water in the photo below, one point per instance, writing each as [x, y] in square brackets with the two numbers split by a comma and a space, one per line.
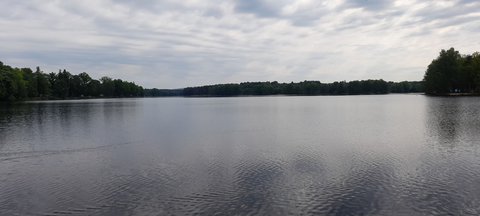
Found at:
[346, 155]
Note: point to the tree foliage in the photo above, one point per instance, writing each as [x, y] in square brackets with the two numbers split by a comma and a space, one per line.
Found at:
[154, 92]
[452, 72]
[305, 88]
[23, 83]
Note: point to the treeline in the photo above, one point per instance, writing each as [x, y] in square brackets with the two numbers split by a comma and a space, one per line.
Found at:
[452, 72]
[305, 88]
[23, 83]
[162, 92]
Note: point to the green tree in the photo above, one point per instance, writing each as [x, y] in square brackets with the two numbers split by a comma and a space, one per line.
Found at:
[475, 65]
[43, 86]
[442, 75]
[108, 87]
[84, 80]
[62, 84]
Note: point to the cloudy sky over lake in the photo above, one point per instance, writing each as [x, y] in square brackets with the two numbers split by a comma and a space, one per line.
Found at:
[171, 43]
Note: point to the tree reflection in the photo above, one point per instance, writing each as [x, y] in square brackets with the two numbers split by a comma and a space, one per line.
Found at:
[443, 120]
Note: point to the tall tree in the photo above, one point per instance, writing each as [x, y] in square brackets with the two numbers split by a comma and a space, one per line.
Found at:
[43, 86]
[442, 75]
[108, 87]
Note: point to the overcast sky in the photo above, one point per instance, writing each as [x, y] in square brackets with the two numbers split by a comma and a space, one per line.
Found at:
[173, 43]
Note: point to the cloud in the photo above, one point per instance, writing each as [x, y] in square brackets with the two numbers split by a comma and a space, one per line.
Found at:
[170, 44]
[370, 5]
[262, 8]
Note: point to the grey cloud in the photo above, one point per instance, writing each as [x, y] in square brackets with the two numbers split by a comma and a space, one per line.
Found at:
[429, 20]
[260, 8]
[273, 9]
[458, 10]
[153, 6]
[370, 5]
[213, 12]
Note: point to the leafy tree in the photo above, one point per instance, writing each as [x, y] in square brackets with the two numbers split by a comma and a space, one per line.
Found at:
[43, 86]
[62, 84]
[108, 87]
[451, 72]
[12, 84]
[475, 68]
[94, 88]
[19, 84]
[442, 75]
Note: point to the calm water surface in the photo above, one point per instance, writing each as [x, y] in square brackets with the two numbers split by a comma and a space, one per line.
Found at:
[345, 155]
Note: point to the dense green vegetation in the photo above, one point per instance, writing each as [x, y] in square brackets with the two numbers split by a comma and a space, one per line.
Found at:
[305, 88]
[23, 83]
[452, 72]
[163, 92]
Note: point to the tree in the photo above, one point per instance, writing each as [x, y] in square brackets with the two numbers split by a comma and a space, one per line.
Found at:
[475, 65]
[94, 88]
[84, 83]
[43, 86]
[12, 84]
[30, 82]
[108, 87]
[62, 84]
[442, 75]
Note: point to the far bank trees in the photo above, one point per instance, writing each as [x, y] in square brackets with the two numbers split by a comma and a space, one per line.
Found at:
[22, 83]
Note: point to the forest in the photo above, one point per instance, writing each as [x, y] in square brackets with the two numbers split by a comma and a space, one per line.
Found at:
[452, 73]
[22, 83]
[306, 88]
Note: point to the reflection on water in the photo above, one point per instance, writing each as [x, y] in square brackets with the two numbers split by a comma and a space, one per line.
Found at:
[348, 155]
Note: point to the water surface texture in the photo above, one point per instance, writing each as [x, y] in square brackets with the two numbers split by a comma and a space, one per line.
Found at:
[330, 155]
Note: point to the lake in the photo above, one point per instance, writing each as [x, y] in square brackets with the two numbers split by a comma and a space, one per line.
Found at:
[326, 155]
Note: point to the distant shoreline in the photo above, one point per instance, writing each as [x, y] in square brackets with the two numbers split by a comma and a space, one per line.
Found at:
[455, 95]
